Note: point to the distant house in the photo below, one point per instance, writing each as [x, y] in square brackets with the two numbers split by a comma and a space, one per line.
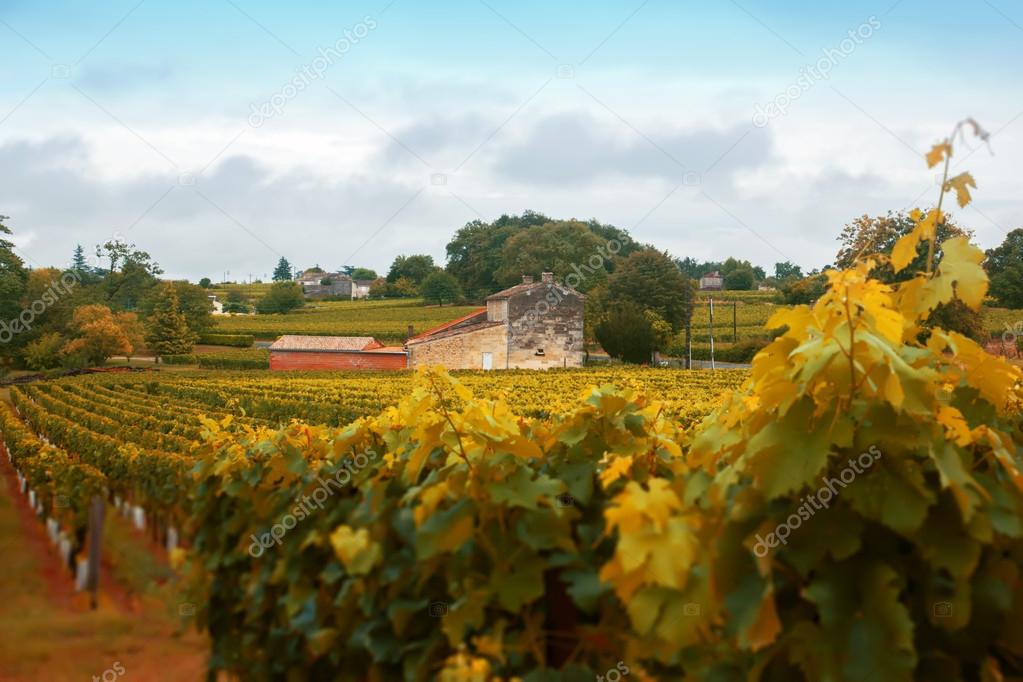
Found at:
[712, 281]
[218, 307]
[334, 353]
[535, 325]
[360, 288]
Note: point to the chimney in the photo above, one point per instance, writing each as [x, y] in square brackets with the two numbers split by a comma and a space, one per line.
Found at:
[527, 279]
[547, 277]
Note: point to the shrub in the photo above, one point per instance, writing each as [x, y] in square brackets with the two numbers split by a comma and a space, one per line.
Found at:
[185, 359]
[233, 340]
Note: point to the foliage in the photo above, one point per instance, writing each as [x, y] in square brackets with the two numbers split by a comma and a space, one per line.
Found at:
[235, 340]
[651, 280]
[868, 236]
[124, 257]
[167, 331]
[413, 268]
[98, 335]
[205, 282]
[283, 297]
[44, 352]
[739, 279]
[482, 255]
[787, 270]
[563, 248]
[248, 358]
[441, 287]
[1004, 266]
[282, 273]
[626, 333]
[13, 278]
[804, 291]
[193, 303]
[363, 274]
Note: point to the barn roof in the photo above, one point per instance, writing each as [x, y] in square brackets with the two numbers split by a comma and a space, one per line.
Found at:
[453, 331]
[325, 344]
[528, 287]
[481, 313]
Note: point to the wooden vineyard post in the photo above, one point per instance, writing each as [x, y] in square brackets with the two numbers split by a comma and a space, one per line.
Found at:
[689, 341]
[712, 332]
[96, 509]
[735, 334]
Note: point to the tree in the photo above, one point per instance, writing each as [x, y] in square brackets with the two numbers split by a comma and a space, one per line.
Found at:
[1004, 266]
[326, 281]
[205, 283]
[126, 255]
[569, 249]
[787, 270]
[626, 333]
[283, 297]
[478, 251]
[167, 332]
[415, 268]
[694, 269]
[362, 273]
[44, 352]
[78, 262]
[878, 235]
[440, 286]
[193, 302]
[739, 279]
[97, 336]
[133, 330]
[651, 280]
[282, 273]
[13, 278]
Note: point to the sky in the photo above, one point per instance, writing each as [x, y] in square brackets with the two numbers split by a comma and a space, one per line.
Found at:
[221, 135]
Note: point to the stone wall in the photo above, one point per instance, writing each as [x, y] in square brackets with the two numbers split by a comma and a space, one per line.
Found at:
[462, 351]
[548, 319]
[307, 360]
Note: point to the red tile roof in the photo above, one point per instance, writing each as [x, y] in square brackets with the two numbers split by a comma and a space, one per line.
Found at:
[448, 325]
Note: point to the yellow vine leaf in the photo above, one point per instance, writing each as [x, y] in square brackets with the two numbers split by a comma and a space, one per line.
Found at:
[961, 184]
[938, 153]
[926, 229]
[961, 264]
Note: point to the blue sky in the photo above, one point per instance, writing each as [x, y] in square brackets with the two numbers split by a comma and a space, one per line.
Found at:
[135, 119]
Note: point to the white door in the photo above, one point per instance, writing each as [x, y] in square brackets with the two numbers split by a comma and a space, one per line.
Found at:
[488, 361]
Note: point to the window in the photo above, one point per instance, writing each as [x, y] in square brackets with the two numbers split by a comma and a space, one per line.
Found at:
[539, 351]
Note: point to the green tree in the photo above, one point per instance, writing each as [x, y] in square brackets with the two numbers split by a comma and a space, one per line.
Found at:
[1004, 265]
[78, 262]
[205, 283]
[13, 280]
[167, 332]
[44, 352]
[415, 268]
[283, 297]
[787, 270]
[739, 279]
[282, 273]
[651, 280]
[193, 302]
[626, 333]
[440, 286]
[569, 249]
[363, 273]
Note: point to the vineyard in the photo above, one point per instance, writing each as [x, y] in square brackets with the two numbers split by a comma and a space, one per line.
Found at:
[387, 320]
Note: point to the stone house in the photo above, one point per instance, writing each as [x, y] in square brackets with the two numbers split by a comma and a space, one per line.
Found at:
[712, 281]
[533, 325]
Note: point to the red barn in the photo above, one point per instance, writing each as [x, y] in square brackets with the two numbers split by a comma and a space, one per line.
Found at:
[335, 353]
